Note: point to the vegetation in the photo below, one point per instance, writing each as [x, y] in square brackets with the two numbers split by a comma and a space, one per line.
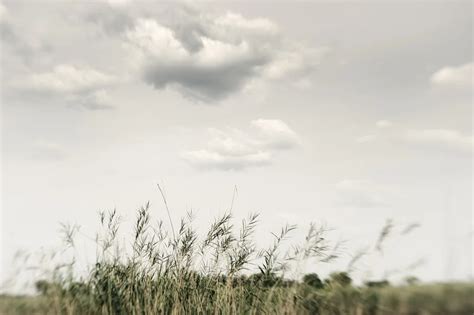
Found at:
[178, 272]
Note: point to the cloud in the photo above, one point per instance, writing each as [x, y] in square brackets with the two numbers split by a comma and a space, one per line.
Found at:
[112, 18]
[77, 86]
[27, 47]
[98, 100]
[3, 12]
[458, 76]
[207, 58]
[360, 194]
[367, 138]
[210, 159]
[275, 134]
[66, 78]
[236, 150]
[442, 140]
[445, 139]
[297, 63]
[118, 2]
[48, 150]
[253, 27]
[384, 124]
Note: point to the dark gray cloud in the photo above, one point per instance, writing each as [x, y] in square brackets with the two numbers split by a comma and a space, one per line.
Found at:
[204, 83]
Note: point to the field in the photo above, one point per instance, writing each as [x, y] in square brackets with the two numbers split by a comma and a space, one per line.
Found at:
[221, 298]
[177, 272]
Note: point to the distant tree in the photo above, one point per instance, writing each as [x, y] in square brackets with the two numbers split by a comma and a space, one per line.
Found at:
[42, 286]
[264, 279]
[240, 280]
[411, 280]
[377, 284]
[341, 278]
[313, 280]
[287, 283]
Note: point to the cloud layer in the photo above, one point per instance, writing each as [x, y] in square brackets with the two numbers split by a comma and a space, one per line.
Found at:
[237, 150]
[207, 58]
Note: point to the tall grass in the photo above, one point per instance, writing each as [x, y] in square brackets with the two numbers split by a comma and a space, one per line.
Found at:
[181, 272]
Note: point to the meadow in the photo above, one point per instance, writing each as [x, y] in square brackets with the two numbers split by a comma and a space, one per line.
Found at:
[178, 271]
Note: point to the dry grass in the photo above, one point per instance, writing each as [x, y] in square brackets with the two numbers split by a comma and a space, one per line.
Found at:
[183, 273]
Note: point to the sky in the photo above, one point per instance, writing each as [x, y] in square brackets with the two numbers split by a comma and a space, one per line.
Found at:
[346, 114]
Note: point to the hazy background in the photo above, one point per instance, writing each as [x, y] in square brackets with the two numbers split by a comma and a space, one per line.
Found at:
[343, 113]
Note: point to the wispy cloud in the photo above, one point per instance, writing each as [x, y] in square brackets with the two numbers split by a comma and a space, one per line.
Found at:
[3, 12]
[236, 150]
[442, 139]
[384, 123]
[21, 45]
[435, 139]
[459, 76]
[79, 86]
[67, 78]
[366, 138]
[98, 100]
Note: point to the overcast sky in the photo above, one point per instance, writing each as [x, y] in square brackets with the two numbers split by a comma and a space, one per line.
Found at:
[343, 113]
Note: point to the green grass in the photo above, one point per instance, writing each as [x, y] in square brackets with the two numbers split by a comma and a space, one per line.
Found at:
[179, 272]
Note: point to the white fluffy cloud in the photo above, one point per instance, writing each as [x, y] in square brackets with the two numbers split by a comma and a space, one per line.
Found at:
[460, 76]
[235, 150]
[208, 57]
[275, 134]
